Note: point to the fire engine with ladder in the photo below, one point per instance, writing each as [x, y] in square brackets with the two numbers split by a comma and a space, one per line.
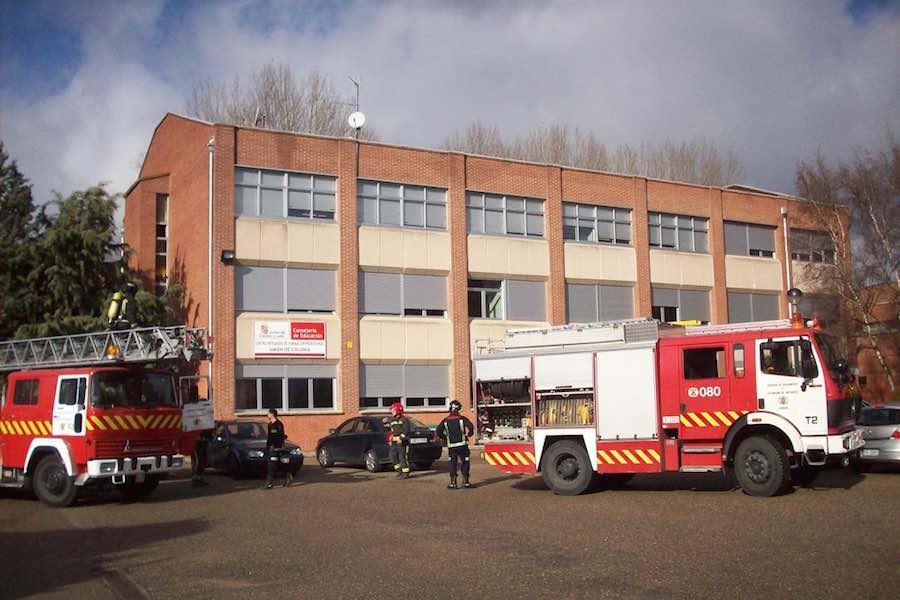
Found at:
[117, 407]
[609, 400]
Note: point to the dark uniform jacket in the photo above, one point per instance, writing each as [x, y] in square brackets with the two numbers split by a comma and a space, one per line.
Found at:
[275, 435]
[400, 429]
[455, 429]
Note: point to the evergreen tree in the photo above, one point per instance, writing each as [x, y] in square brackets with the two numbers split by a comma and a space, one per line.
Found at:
[17, 229]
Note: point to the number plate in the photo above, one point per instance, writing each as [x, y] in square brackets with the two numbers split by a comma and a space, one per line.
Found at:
[869, 452]
[418, 440]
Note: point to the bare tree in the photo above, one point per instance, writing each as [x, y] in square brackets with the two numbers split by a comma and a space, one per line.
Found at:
[697, 161]
[276, 99]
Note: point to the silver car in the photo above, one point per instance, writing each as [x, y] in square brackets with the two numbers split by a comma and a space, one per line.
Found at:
[880, 427]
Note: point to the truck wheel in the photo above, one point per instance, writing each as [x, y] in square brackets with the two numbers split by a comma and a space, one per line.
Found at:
[324, 457]
[761, 467]
[52, 485]
[138, 491]
[566, 468]
[373, 465]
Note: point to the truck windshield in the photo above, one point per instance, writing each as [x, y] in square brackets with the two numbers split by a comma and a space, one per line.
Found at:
[829, 353]
[132, 390]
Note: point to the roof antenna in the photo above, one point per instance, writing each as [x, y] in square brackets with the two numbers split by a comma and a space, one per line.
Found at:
[356, 118]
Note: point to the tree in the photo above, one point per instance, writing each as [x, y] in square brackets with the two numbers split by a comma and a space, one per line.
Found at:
[275, 99]
[697, 161]
[864, 193]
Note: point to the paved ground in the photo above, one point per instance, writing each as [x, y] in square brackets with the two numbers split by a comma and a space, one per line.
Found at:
[345, 533]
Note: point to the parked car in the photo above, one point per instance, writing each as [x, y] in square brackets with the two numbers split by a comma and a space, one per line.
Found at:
[239, 449]
[880, 427]
[363, 441]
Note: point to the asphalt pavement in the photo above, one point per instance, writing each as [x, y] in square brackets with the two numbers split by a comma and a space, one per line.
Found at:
[346, 533]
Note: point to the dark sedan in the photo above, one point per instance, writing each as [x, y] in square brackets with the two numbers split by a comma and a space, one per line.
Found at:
[362, 441]
[239, 448]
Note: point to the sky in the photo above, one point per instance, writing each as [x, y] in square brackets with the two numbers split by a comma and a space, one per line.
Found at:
[83, 84]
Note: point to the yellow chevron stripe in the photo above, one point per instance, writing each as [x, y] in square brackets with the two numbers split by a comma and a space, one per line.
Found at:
[133, 422]
[685, 422]
[122, 422]
[163, 422]
[3, 428]
[734, 416]
[48, 426]
[654, 454]
[89, 425]
[521, 458]
[98, 422]
[110, 422]
[34, 429]
[643, 456]
[509, 458]
[723, 418]
[606, 457]
[710, 418]
[696, 420]
[630, 456]
[488, 459]
[178, 421]
[17, 427]
[499, 459]
[152, 421]
[531, 457]
[618, 456]
[172, 420]
[145, 420]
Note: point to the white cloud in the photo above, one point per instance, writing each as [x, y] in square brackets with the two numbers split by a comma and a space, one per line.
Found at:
[773, 81]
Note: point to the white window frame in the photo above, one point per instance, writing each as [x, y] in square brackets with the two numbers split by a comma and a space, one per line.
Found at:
[677, 228]
[403, 200]
[505, 199]
[483, 292]
[162, 285]
[283, 409]
[286, 189]
[592, 213]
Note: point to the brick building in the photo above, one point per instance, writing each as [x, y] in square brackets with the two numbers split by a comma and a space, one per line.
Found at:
[391, 261]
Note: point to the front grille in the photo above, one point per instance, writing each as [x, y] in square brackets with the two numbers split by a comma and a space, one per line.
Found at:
[144, 447]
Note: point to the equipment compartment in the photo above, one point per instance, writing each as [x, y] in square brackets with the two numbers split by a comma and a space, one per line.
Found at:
[503, 410]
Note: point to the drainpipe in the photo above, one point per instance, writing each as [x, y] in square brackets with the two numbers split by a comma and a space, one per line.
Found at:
[211, 148]
[787, 255]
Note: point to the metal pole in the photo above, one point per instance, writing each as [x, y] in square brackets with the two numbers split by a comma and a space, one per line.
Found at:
[787, 255]
[211, 148]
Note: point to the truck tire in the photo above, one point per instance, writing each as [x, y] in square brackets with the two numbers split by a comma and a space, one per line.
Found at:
[761, 466]
[373, 465]
[566, 468]
[52, 484]
[132, 490]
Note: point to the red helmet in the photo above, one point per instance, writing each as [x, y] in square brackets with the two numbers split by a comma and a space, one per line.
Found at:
[396, 406]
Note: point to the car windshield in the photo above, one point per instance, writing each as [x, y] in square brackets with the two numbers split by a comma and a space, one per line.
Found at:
[873, 417]
[247, 431]
[132, 389]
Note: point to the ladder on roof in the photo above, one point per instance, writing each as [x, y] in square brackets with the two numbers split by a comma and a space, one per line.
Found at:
[730, 327]
[129, 346]
[640, 329]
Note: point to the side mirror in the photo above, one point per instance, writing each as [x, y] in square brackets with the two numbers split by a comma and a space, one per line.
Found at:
[331, 431]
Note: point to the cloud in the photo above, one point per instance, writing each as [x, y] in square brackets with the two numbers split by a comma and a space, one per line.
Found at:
[774, 82]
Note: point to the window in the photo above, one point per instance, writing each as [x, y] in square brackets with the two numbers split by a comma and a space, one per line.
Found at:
[281, 289]
[401, 204]
[811, 246]
[346, 426]
[704, 363]
[162, 243]
[874, 417]
[603, 224]
[671, 304]
[72, 391]
[415, 386]
[588, 303]
[279, 194]
[747, 239]
[789, 359]
[744, 307]
[26, 392]
[402, 294]
[677, 232]
[510, 299]
[288, 388]
[739, 360]
[504, 215]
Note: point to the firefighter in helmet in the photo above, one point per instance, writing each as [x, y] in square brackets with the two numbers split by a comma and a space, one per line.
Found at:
[456, 430]
[400, 428]
[120, 313]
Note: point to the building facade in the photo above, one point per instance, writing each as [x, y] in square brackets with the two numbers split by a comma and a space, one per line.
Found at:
[349, 275]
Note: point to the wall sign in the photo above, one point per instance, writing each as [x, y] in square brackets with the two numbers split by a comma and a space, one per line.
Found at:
[301, 339]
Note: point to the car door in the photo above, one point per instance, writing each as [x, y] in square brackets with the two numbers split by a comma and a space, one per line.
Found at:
[790, 383]
[218, 446]
[704, 391]
[340, 440]
[358, 441]
[69, 405]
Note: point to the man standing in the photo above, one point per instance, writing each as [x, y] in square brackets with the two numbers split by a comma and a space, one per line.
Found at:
[274, 443]
[456, 430]
[400, 429]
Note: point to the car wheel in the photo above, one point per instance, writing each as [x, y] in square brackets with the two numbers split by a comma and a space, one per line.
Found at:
[566, 468]
[761, 467]
[52, 484]
[373, 465]
[137, 491]
[233, 466]
[324, 457]
[422, 466]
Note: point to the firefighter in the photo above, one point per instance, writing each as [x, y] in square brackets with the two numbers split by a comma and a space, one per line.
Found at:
[456, 430]
[274, 443]
[120, 313]
[400, 428]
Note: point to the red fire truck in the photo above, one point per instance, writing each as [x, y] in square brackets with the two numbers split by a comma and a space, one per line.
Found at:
[99, 408]
[619, 398]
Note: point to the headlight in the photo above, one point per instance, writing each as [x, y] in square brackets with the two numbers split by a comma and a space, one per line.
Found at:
[297, 452]
[256, 453]
[107, 467]
[177, 462]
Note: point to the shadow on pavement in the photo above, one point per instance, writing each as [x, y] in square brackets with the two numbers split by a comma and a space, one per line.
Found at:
[39, 567]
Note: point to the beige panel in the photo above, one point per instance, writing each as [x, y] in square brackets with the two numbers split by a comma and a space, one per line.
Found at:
[404, 249]
[681, 268]
[244, 331]
[501, 255]
[311, 243]
[481, 330]
[398, 339]
[595, 262]
[751, 273]
[246, 240]
[273, 242]
[809, 277]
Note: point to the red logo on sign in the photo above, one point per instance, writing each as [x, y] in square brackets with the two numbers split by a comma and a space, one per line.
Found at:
[307, 331]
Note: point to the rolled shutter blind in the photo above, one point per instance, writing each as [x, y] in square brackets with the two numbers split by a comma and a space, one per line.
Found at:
[265, 371]
[427, 381]
[310, 289]
[380, 380]
[664, 296]
[694, 305]
[761, 237]
[739, 307]
[259, 288]
[736, 239]
[765, 307]
[581, 303]
[616, 302]
[311, 371]
[525, 301]
[428, 292]
[379, 293]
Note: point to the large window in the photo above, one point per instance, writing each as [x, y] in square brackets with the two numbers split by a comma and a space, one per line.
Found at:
[401, 204]
[402, 294]
[510, 299]
[812, 246]
[504, 215]
[789, 359]
[415, 386]
[670, 304]
[602, 224]
[277, 194]
[677, 232]
[162, 243]
[747, 239]
[285, 387]
[704, 363]
[280, 289]
[588, 303]
[744, 307]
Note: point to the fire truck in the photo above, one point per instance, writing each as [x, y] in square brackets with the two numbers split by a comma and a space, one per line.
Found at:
[758, 401]
[118, 407]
